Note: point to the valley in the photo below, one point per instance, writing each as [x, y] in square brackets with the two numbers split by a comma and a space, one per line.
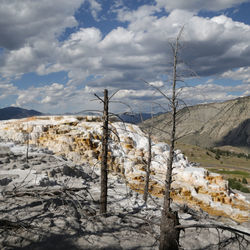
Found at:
[215, 136]
[231, 165]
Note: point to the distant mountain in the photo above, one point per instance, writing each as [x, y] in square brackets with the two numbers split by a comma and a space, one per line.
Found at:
[84, 113]
[135, 118]
[209, 125]
[128, 117]
[17, 113]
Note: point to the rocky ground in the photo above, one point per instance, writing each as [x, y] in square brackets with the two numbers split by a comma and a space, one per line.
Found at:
[48, 202]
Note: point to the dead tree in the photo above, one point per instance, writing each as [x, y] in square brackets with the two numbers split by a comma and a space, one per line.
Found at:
[104, 154]
[148, 164]
[104, 161]
[27, 146]
[148, 130]
[169, 234]
[169, 225]
[104, 164]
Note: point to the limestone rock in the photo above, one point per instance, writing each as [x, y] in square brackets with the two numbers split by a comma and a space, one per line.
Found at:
[79, 139]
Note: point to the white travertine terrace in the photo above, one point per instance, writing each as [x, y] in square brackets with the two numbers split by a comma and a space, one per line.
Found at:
[79, 139]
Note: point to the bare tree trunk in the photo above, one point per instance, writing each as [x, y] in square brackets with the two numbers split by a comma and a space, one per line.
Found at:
[104, 165]
[27, 147]
[169, 236]
[145, 195]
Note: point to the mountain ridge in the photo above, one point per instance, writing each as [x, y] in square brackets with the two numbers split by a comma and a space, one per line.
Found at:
[208, 125]
[129, 117]
[17, 113]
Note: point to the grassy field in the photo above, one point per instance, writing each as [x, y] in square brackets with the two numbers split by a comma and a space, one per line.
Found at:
[230, 166]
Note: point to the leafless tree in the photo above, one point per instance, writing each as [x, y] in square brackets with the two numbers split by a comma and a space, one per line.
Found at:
[104, 162]
[169, 234]
[169, 226]
[148, 164]
[27, 146]
[104, 154]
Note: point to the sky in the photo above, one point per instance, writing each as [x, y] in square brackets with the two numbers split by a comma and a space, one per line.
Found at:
[55, 55]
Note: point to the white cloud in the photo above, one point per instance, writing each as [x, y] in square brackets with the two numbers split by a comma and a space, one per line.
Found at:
[95, 8]
[242, 74]
[145, 12]
[29, 32]
[135, 94]
[119, 36]
[212, 92]
[157, 84]
[22, 22]
[196, 5]
[7, 89]
[47, 99]
[58, 98]
[121, 59]
[211, 46]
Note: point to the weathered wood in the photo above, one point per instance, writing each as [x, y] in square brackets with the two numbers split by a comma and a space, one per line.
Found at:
[145, 195]
[7, 224]
[39, 192]
[216, 226]
[104, 163]
[27, 149]
[169, 235]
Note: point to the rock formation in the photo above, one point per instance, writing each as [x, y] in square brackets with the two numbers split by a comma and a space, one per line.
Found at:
[79, 139]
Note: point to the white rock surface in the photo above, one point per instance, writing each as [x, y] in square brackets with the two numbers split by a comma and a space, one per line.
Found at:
[79, 139]
[60, 209]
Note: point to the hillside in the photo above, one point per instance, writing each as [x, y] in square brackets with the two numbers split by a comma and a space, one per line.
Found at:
[135, 118]
[209, 125]
[17, 113]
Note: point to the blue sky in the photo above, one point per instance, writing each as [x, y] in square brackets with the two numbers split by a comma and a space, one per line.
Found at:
[54, 55]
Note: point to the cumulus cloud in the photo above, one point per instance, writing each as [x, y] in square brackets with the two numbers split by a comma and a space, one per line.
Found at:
[95, 8]
[212, 92]
[157, 84]
[7, 89]
[125, 56]
[57, 98]
[21, 22]
[211, 46]
[145, 12]
[53, 98]
[215, 45]
[196, 5]
[242, 74]
[29, 32]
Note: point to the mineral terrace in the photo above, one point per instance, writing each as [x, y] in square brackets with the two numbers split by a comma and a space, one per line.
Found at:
[79, 139]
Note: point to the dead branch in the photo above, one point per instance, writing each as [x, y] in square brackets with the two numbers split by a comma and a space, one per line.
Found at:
[99, 98]
[39, 192]
[216, 226]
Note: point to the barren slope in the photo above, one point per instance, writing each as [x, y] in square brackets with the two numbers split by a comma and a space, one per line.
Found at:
[214, 124]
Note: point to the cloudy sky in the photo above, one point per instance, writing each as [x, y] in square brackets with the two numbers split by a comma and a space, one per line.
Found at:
[54, 55]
